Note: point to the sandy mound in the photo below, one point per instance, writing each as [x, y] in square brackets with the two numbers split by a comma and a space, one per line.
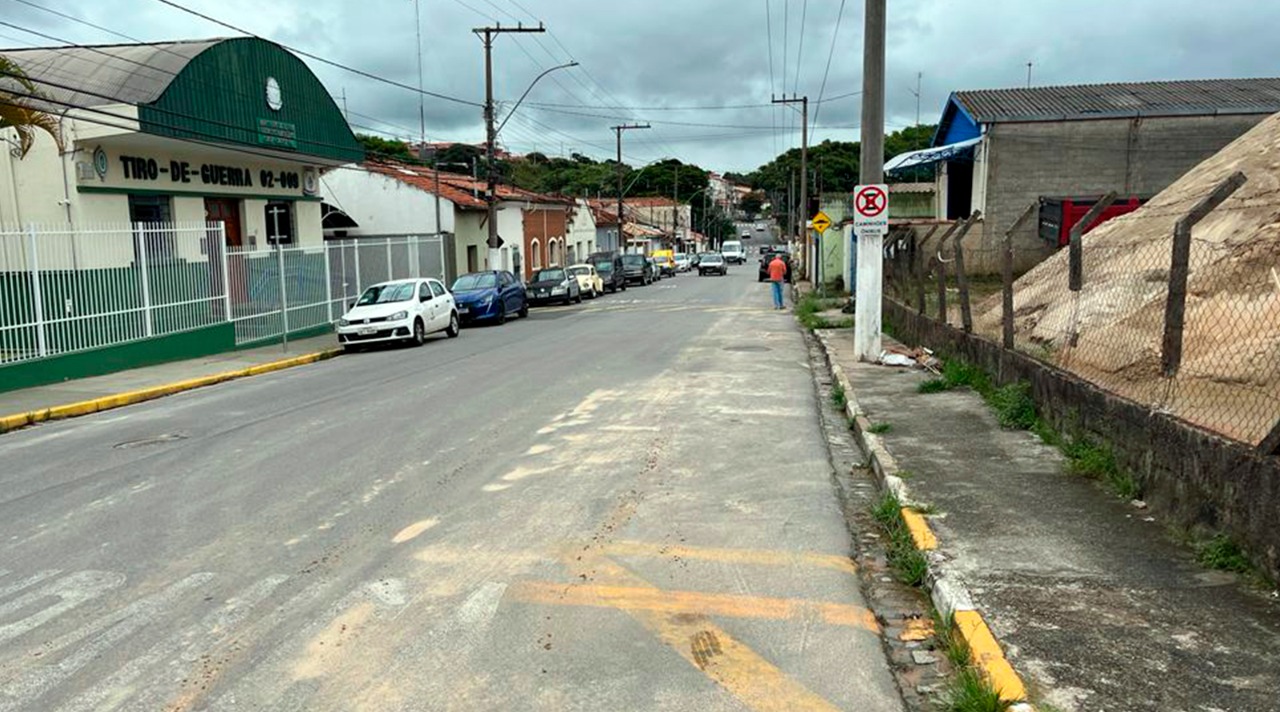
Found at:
[1230, 376]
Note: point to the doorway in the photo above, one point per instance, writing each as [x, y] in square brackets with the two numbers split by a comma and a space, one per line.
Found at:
[226, 211]
[959, 189]
[227, 255]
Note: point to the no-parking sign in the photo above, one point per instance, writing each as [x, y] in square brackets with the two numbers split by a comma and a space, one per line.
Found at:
[871, 209]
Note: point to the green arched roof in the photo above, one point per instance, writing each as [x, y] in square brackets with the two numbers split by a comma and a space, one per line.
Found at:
[205, 90]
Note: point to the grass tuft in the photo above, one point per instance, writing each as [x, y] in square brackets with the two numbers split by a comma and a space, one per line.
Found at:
[1014, 406]
[1223, 554]
[1097, 461]
[969, 692]
[933, 385]
[880, 428]
[838, 396]
[909, 564]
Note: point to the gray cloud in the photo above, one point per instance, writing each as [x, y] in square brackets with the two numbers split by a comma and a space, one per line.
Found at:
[673, 53]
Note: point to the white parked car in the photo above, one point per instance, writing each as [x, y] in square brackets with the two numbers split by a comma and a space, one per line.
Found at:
[402, 310]
[589, 282]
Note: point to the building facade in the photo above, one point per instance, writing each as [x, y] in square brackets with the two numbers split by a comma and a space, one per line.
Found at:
[1000, 151]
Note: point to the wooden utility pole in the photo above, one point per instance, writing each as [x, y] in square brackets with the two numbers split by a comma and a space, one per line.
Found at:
[617, 130]
[803, 222]
[487, 35]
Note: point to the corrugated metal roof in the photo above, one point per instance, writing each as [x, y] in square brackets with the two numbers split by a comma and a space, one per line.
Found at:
[1084, 101]
[107, 74]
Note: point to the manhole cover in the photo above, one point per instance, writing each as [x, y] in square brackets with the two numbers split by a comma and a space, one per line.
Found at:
[145, 442]
[748, 349]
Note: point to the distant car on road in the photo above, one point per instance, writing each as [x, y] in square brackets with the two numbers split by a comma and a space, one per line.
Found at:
[401, 310]
[766, 258]
[712, 263]
[611, 270]
[683, 262]
[638, 269]
[553, 284]
[589, 282]
[490, 296]
[666, 263]
[733, 252]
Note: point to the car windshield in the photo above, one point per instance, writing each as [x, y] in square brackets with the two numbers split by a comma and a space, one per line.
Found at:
[712, 258]
[549, 275]
[475, 281]
[633, 260]
[604, 266]
[387, 293]
[579, 271]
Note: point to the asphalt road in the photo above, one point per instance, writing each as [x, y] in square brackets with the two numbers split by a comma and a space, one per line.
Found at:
[624, 505]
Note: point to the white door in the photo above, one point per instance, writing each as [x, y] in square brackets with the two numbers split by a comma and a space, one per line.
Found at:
[439, 306]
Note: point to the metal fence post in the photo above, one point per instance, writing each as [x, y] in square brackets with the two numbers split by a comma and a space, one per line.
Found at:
[141, 241]
[1075, 266]
[328, 281]
[1180, 267]
[226, 267]
[1006, 276]
[37, 291]
[355, 249]
[284, 298]
[391, 273]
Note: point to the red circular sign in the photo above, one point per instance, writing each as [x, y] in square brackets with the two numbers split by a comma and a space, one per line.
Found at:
[870, 201]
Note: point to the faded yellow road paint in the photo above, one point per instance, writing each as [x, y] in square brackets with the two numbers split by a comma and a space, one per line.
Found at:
[752, 557]
[757, 683]
[413, 530]
[692, 602]
[921, 534]
[988, 656]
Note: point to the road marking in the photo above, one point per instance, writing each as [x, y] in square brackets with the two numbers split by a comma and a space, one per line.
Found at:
[107, 632]
[758, 557]
[70, 591]
[693, 602]
[413, 530]
[28, 581]
[987, 654]
[755, 682]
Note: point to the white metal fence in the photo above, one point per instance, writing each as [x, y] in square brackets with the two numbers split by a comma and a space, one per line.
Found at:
[64, 290]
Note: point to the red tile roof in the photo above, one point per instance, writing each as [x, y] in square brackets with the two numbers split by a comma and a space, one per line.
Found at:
[462, 190]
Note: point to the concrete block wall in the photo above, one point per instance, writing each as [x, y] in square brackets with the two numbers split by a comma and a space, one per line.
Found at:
[1138, 156]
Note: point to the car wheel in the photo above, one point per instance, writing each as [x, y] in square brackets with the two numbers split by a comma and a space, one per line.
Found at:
[524, 310]
[502, 315]
[454, 328]
[624, 286]
[419, 333]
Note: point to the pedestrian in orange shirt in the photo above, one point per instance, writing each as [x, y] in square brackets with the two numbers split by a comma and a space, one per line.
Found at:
[777, 275]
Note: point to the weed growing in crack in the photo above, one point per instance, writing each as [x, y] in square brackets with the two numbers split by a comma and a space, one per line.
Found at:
[933, 385]
[909, 564]
[838, 397]
[1097, 461]
[1223, 554]
[880, 428]
[969, 692]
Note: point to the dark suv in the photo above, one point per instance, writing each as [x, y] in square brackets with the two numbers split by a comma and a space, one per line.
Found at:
[766, 258]
[638, 269]
[611, 270]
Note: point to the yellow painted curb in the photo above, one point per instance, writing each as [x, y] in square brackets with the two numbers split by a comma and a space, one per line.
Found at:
[96, 405]
[921, 534]
[988, 656]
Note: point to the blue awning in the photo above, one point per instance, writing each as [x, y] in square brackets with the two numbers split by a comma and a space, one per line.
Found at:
[930, 155]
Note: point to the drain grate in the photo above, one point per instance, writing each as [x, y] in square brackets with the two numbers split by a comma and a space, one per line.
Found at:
[148, 442]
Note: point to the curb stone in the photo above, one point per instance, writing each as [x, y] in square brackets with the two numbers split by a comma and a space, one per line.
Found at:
[950, 596]
[97, 405]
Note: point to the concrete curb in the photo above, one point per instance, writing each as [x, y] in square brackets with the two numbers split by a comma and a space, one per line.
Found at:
[96, 405]
[949, 596]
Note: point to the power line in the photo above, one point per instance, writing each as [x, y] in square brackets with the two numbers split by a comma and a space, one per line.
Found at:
[768, 25]
[322, 60]
[835, 34]
[804, 15]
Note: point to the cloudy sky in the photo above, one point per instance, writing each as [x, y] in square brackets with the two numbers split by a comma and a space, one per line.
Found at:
[700, 71]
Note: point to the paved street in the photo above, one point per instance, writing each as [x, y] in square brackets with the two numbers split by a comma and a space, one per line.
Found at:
[624, 505]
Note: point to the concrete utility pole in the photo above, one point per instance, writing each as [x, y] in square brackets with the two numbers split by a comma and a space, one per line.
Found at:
[866, 332]
[622, 240]
[803, 223]
[487, 35]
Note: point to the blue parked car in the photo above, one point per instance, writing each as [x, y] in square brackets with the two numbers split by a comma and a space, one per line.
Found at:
[490, 296]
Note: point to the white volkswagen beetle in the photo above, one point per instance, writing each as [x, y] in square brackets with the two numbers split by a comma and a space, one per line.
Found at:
[589, 281]
[402, 310]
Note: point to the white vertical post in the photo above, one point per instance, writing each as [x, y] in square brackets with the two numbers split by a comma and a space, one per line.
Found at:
[284, 299]
[141, 241]
[391, 273]
[328, 281]
[866, 319]
[355, 248]
[444, 271]
[221, 232]
[37, 291]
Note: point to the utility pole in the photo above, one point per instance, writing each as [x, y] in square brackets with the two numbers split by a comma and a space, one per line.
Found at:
[622, 240]
[487, 35]
[803, 223]
[866, 334]
[675, 207]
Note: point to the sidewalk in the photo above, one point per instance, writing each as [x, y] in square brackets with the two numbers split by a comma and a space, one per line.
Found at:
[85, 390]
[1097, 607]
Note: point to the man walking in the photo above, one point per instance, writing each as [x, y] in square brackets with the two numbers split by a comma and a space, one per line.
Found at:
[777, 275]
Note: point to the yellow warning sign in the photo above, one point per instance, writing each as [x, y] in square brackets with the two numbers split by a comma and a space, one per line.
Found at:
[821, 222]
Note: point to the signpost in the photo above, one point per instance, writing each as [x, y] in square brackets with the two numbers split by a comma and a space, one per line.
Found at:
[821, 222]
[870, 224]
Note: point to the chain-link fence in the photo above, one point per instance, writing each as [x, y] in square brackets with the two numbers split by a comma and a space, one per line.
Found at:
[1183, 322]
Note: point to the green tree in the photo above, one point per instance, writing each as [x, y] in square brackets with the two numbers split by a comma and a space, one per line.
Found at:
[18, 108]
[752, 203]
[378, 147]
